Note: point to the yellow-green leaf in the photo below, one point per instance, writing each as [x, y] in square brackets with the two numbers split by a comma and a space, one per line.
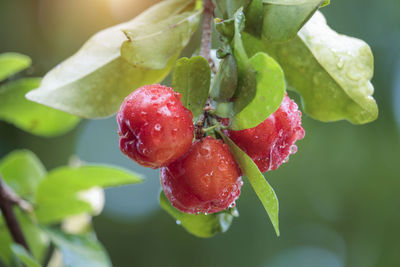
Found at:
[332, 72]
[93, 82]
[12, 63]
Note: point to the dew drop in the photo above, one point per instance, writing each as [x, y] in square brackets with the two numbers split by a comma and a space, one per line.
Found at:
[222, 166]
[235, 213]
[293, 149]
[340, 63]
[205, 213]
[286, 160]
[353, 75]
[178, 222]
[174, 131]
[157, 127]
[204, 151]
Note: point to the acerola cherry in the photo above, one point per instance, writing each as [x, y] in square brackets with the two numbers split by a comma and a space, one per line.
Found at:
[271, 142]
[154, 127]
[205, 180]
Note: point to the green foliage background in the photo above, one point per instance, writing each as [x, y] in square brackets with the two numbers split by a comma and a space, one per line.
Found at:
[339, 195]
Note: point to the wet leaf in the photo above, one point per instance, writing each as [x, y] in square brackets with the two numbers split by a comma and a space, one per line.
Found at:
[331, 72]
[282, 19]
[12, 63]
[151, 43]
[192, 78]
[263, 190]
[59, 195]
[199, 225]
[29, 116]
[93, 82]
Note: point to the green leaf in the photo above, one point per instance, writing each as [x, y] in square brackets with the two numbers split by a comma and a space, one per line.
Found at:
[24, 256]
[30, 116]
[284, 18]
[154, 41]
[264, 191]
[79, 250]
[12, 63]
[229, 7]
[93, 82]
[226, 80]
[22, 171]
[269, 94]
[247, 82]
[192, 78]
[199, 225]
[254, 18]
[331, 72]
[325, 3]
[35, 238]
[60, 194]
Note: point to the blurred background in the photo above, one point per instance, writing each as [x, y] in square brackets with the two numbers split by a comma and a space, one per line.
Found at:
[339, 195]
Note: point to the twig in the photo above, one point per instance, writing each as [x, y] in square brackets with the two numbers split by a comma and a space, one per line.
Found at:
[7, 199]
[205, 49]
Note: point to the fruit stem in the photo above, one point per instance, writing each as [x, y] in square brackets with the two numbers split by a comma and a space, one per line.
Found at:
[205, 48]
[7, 199]
[205, 130]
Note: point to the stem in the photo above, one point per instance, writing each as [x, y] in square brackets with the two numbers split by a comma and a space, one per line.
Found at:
[205, 48]
[210, 128]
[7, 200]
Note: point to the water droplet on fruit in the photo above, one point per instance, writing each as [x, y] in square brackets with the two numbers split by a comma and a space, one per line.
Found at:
[222, 166]
[174, 131]
[204, 151]
[293, 149]
[232, 205]
[157, 127]
[286, 160]
[206, 180]
[178, 222]
[205, 213]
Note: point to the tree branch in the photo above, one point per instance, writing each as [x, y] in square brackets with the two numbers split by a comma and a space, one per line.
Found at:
[7, 199]
[208, 15]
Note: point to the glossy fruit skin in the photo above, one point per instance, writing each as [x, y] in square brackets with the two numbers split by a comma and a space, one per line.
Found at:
[205, 180]
[271, 142]
[154, 127]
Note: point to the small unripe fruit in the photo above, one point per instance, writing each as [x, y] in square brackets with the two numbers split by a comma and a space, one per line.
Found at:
[205, 180]
[271, 142]
[154, 127]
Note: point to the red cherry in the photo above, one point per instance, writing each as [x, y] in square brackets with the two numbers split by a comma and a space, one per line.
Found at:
[205, 180]
[154, 127]
[271, 142]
